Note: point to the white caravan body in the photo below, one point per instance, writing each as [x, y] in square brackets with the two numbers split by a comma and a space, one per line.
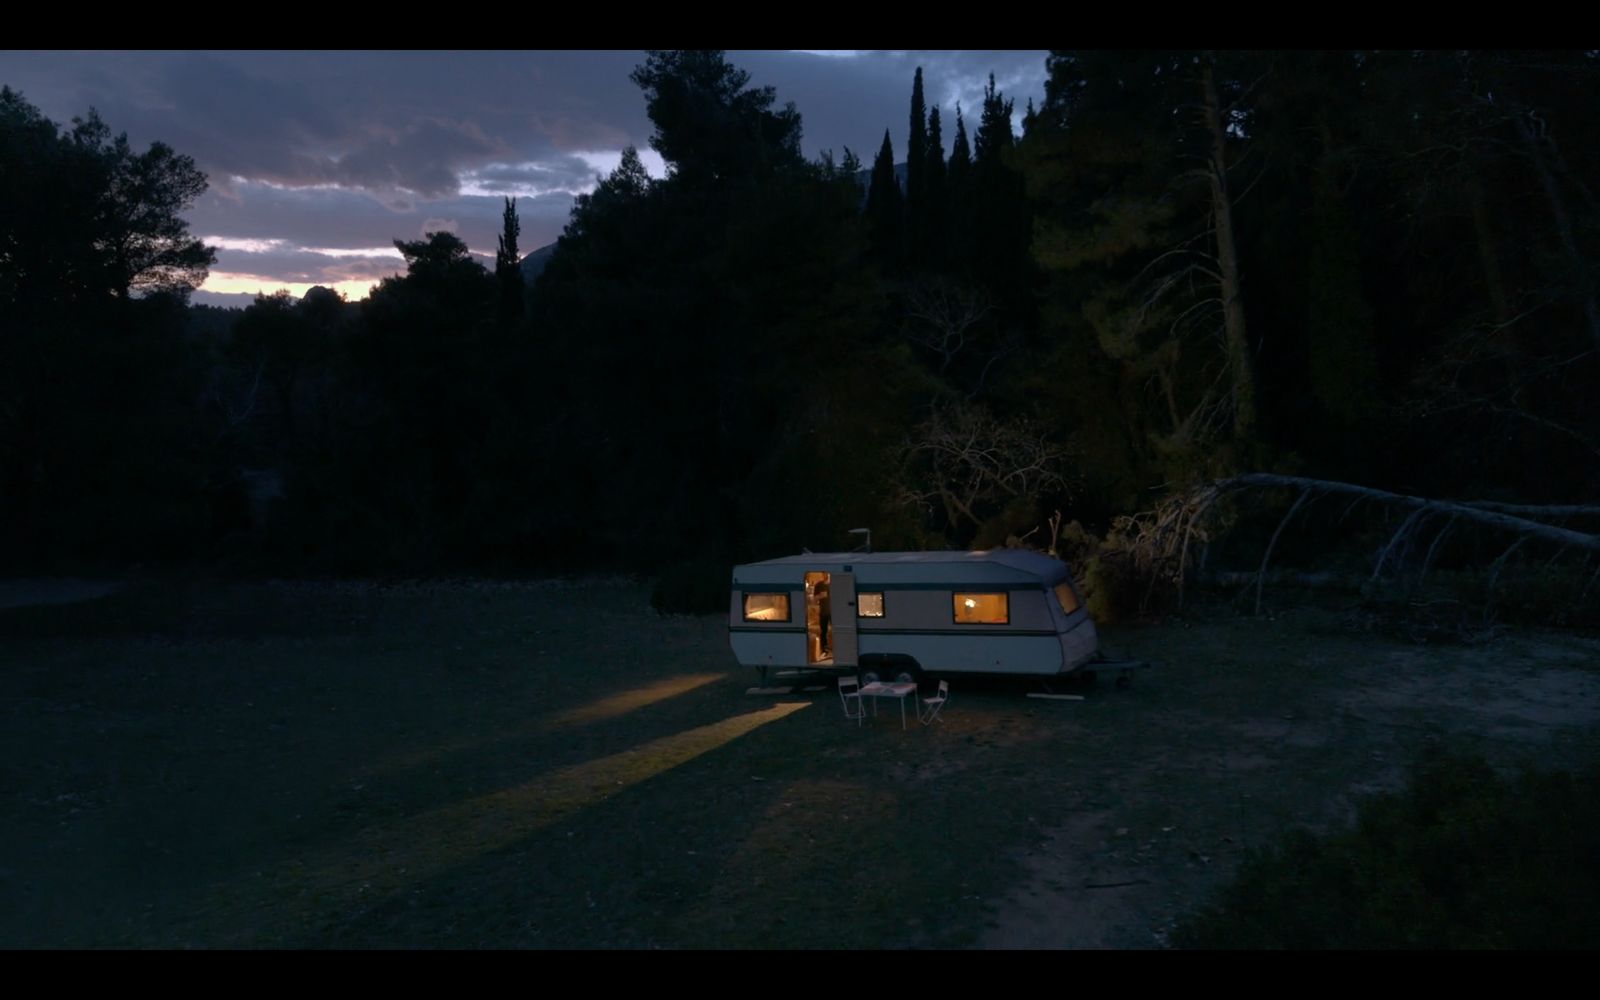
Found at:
[1002, 611]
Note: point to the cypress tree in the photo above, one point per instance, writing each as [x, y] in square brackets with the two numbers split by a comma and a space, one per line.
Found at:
[1000, 227]
[935, 195]
[994, 128]
[958, 188]
[916, 166]
[508, 266]
[960, 155]
[884, 210]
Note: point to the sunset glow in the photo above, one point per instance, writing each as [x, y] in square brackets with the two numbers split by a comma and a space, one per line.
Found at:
[229, 283]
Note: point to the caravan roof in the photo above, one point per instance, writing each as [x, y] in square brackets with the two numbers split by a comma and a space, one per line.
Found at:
[985, 566]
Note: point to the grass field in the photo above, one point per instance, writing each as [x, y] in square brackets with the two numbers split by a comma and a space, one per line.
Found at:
[553, 765]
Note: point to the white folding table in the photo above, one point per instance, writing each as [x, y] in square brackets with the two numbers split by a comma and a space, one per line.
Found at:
[880, 689]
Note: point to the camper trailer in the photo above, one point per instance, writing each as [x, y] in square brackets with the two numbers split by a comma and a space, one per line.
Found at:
[898, 615]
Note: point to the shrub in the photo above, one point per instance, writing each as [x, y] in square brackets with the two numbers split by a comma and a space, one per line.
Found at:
[1117, 583]
[1461, 859]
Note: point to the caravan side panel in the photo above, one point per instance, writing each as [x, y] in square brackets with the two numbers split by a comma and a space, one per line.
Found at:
[978, 654]
[767, 644]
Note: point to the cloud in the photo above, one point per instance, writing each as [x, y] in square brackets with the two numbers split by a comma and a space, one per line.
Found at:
[424, 158]
[306, 265]
[347, 222]
[565, 175]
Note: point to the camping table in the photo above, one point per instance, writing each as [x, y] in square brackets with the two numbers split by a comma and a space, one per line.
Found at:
[878, 689]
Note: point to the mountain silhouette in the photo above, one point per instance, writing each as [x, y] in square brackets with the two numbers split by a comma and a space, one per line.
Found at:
[533, 264]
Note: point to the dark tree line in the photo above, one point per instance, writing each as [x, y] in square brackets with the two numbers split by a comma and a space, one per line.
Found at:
[1302, 260]
[98, 386]
[1374, 267]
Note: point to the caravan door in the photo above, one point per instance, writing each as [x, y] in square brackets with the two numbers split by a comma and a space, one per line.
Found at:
[842, 592]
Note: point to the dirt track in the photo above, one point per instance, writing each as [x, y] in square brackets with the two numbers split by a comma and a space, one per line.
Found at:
[1201, 777]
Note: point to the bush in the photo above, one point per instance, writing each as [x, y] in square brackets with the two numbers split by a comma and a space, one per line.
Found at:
[697, 587]
[1461, 859]
[1116, 584]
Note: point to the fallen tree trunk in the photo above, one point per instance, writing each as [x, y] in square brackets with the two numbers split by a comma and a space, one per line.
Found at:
[1482, 512]
[1305, 580]
[1163, 536]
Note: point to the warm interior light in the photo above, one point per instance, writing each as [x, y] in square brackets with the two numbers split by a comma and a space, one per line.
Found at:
[766, 607]
[981, 609]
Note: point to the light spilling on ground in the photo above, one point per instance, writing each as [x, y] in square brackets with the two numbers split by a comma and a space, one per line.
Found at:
[627, 701]
[513, 812]
[382, 859]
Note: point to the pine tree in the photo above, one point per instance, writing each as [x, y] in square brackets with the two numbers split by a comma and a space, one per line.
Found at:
[709, 125]
[508, 266]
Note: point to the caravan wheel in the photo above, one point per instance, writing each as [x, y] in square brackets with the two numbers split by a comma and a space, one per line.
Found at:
[902, 669]
[890, 667]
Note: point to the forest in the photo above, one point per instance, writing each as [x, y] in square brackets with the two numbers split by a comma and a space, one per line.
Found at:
[1372, 269]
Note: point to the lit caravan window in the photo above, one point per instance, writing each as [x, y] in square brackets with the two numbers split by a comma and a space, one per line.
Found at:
[1064, 594]
[766, 607]
[869, 605]
[981, 609]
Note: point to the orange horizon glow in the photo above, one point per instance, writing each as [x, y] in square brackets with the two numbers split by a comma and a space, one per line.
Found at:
[231, 283]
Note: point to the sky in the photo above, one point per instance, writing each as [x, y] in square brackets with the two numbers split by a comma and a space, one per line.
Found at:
[318, 161]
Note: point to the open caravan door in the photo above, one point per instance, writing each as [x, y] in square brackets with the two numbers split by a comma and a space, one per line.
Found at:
[842, 593]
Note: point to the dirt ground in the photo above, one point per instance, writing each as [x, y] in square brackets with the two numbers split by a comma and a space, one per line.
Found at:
[32, 592]
[1353, 713]
[478, 765]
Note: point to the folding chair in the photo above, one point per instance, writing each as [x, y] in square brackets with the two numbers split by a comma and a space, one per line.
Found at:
[850, 693]
[931, 707]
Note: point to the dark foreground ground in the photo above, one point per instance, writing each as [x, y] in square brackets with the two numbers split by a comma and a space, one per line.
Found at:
[553, 765]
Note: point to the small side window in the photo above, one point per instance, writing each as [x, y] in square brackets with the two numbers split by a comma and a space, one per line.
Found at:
[1064, 594]
[766, 607]
[869, 605]
[982, 609]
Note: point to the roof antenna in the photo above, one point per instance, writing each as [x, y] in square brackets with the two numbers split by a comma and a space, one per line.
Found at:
[867, 546]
